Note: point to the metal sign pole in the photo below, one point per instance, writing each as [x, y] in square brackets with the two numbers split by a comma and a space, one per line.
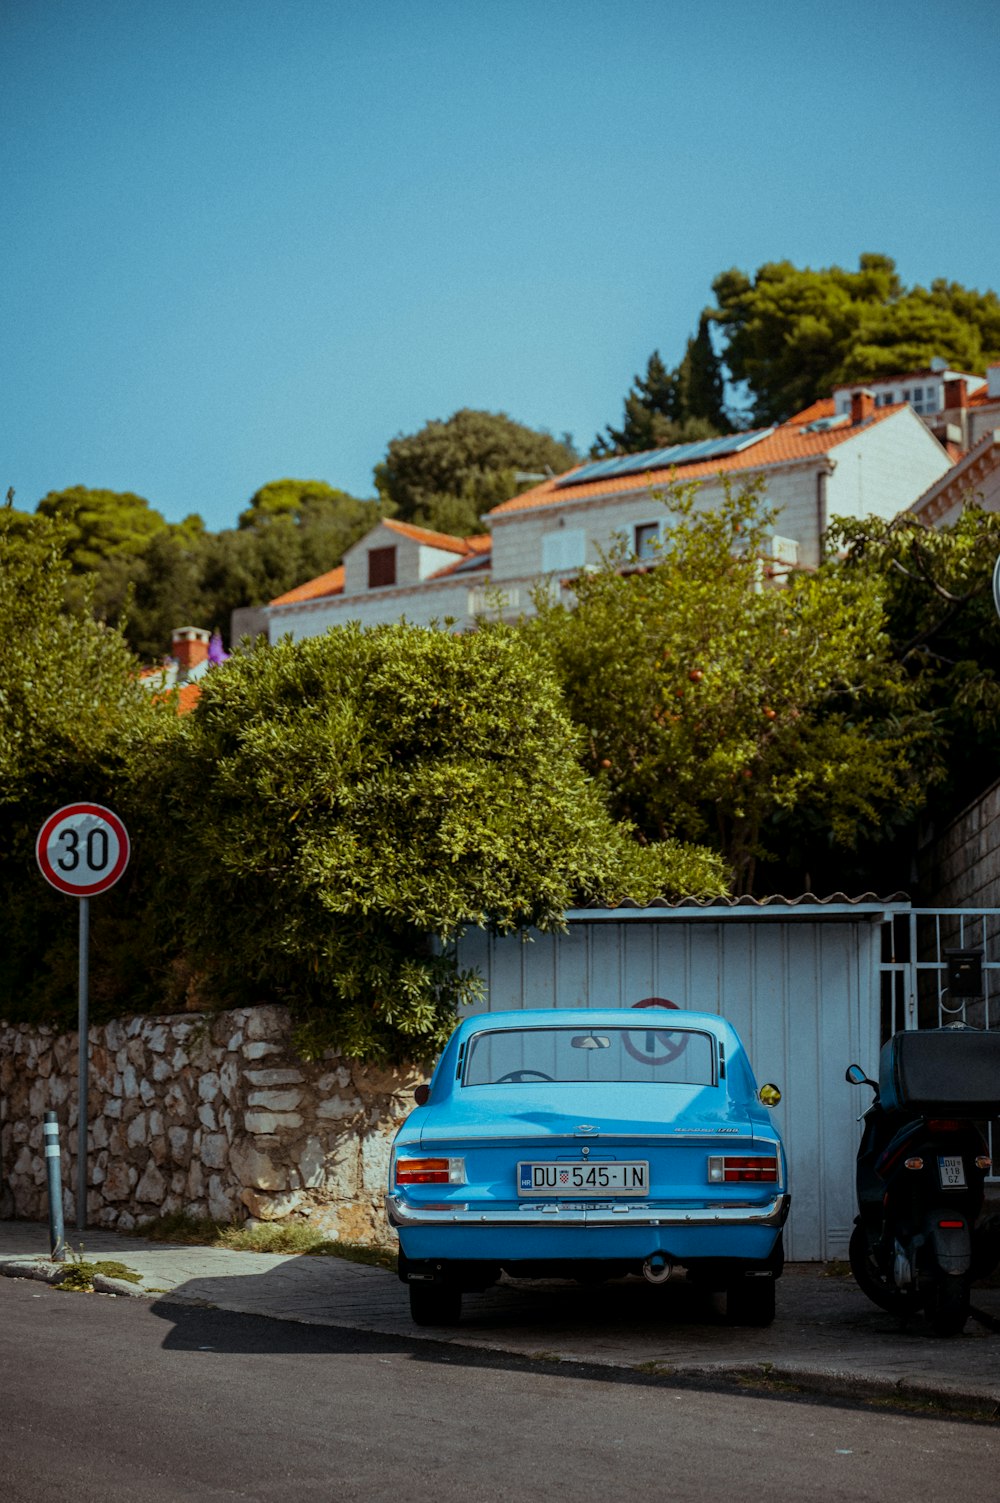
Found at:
[83, 1063]
[82, 849]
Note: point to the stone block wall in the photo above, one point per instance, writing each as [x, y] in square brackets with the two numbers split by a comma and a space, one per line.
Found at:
[210, 1115]
[960, 866]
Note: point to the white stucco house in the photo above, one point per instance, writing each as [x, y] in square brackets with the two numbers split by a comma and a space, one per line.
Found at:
[958, 407]
[975, 477]
[867, 460]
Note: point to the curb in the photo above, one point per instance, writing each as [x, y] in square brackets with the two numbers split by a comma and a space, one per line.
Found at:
[770, 1377]
[900, 1392]
[47, 1272]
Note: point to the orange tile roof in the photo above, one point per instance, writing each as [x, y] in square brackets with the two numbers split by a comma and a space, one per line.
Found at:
[970, 468]
[824, 407]
[481, 552]
[187, 696]
[981, 397]
[330, 583]
[429, 539]
[784, 446]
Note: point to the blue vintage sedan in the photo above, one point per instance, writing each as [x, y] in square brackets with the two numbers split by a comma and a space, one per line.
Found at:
[590, 1144]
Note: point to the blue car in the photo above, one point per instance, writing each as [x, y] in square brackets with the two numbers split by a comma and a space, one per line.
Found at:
[590, 1144]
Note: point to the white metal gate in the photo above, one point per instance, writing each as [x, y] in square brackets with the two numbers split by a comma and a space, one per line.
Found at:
[800, 985]
[917, 944]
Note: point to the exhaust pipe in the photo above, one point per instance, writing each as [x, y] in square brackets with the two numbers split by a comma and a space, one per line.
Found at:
[657, 1268]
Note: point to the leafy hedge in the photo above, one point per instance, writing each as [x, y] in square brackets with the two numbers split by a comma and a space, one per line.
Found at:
[318, 832]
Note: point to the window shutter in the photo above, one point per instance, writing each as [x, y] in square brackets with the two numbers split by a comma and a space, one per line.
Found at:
[381, 567]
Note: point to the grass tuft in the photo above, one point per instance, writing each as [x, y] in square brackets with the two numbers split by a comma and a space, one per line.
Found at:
[79, 1277]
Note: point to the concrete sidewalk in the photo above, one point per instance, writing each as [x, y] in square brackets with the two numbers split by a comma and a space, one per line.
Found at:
[827, 1336]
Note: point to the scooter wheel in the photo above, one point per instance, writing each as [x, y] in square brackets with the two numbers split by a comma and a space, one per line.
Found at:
[948, 1305]
[869, 1278]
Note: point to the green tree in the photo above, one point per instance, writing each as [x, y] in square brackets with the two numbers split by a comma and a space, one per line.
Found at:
[942, 628]
[101, 524]
[365, 795]
[792, 333]
[713, 705]
[106, 536]
[329, 520]
[73, 718]
[291, 531]
[672, 406]
[472, 456]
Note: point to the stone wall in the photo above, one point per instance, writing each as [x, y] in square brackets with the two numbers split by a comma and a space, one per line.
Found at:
[960, 866]
[211, 1115]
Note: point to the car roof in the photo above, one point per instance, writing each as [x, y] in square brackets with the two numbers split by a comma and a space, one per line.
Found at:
[594, 1017]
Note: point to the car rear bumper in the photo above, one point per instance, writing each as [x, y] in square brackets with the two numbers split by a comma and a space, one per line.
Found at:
[772, 1213]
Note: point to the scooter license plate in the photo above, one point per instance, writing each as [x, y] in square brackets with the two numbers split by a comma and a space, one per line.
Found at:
[952, 1172]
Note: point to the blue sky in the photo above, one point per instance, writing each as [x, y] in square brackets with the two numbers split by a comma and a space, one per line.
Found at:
[243, 240]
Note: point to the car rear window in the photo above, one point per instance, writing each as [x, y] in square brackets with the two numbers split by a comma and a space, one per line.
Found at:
[532, 1056]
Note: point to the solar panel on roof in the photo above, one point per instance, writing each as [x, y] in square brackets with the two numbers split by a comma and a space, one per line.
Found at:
[663, 459]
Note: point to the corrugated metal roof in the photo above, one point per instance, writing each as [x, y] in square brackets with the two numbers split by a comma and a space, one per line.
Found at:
[806, 905]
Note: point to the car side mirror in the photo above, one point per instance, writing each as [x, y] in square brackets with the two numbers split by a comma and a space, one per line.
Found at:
[854, 1075]
[422, 1094]
[769, 1095]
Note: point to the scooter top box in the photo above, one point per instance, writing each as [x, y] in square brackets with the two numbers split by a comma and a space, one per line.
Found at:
[955, 1071]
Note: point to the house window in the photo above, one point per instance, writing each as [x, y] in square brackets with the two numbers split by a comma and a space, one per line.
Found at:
[647, 538]
[381, 567]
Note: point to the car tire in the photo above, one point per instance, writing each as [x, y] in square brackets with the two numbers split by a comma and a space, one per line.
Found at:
[750, 1302]
[435, 1304]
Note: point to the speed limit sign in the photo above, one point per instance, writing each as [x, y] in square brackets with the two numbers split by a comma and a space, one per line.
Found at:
[82, 849]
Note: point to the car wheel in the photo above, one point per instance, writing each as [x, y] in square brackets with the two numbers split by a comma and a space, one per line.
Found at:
[435, 1304]
[750, 1302]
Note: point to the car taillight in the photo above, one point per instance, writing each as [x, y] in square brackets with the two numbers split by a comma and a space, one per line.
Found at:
[738, 1168]
[430, 1171]
[984, 1161]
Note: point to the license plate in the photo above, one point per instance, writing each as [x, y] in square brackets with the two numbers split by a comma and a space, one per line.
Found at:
[583, 1179]
[952, 1172]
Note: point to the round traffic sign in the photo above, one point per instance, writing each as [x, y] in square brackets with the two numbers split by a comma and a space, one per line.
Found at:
[82, 849]
[660, 1046]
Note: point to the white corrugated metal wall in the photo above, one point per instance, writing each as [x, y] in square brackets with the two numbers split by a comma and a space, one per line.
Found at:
[802, 991]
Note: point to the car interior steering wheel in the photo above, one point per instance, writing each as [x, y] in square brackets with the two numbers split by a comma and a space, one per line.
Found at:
[517, 1076]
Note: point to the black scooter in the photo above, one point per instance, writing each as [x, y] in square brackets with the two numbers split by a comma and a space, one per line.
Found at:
[920, 1238]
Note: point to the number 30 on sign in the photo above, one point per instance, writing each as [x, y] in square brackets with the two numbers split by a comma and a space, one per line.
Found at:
[82, 849]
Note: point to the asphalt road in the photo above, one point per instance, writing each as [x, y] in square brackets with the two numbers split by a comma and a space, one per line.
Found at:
[104, 1400]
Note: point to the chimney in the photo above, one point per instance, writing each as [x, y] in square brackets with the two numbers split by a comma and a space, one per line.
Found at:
[189, 645]
[993, 380]
[862, 405]
[956, 394]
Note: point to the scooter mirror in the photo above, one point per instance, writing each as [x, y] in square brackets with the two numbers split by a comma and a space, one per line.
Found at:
[854, 1075]
[422, 1094]
[769, 1094]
